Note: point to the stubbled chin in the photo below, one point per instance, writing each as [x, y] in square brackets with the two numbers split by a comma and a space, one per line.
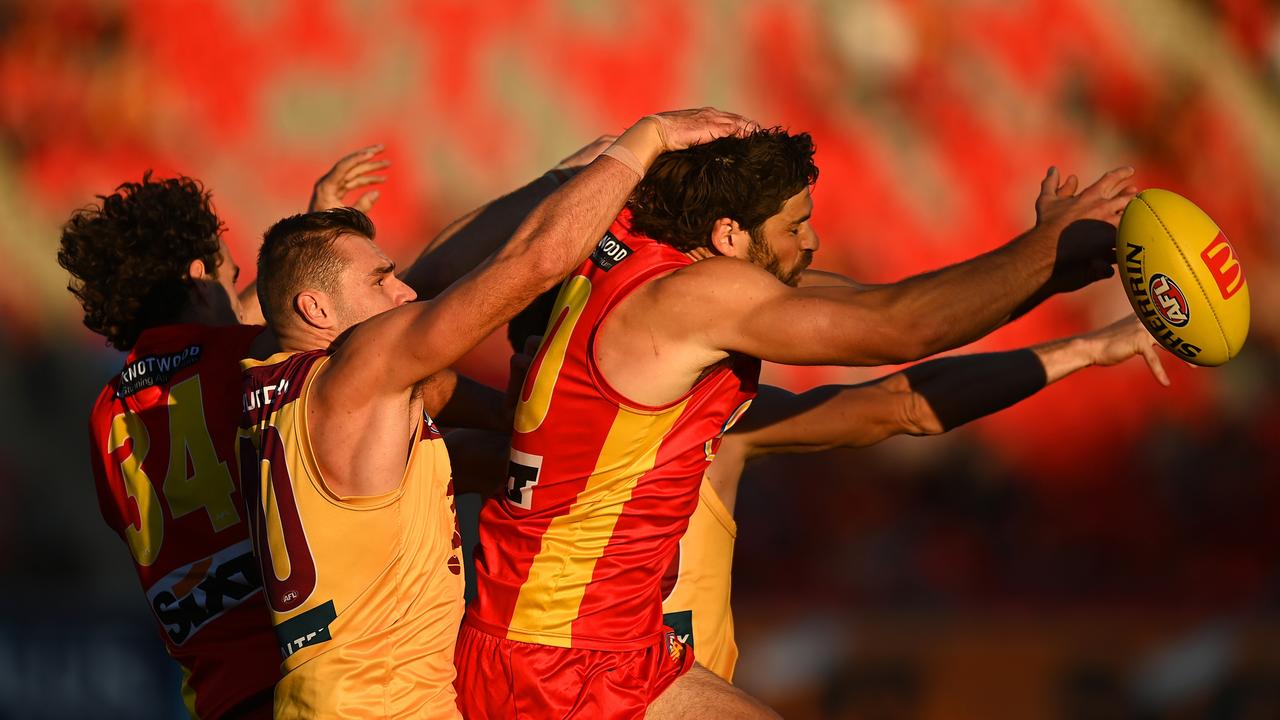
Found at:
[793, 278]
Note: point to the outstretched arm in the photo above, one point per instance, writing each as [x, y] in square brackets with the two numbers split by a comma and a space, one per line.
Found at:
[1070, 246]
[825, 278]
[394, 350]
[467, 241]
[932, 397]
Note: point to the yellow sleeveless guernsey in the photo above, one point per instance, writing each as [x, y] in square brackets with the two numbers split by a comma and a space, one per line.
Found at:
[365, 592]
[696, 586]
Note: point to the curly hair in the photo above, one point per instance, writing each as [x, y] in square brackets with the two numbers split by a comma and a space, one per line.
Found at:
[297, 253]
[128, 256]
[747, 179]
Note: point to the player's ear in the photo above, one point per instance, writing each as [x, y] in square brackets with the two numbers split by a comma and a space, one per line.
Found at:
[314, 309]
[196, 270]
[729, 239]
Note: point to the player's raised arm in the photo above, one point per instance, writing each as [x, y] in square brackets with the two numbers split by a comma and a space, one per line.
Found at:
[933, 397]
[1070, 246]
[467, 241]
[396, 349]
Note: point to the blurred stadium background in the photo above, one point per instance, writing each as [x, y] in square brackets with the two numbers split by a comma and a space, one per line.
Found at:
[1107, 549]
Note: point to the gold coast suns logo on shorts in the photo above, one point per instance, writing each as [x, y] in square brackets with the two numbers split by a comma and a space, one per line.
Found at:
[675, 648]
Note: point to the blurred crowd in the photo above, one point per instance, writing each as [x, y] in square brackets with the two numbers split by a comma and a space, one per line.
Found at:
[1104, 496]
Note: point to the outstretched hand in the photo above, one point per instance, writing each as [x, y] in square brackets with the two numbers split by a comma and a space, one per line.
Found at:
[350, 173]
[1083, 225]
[1122, 340]
[1059, 204]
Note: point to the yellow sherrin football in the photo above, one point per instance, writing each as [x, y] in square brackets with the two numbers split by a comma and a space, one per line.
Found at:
[1183, 278]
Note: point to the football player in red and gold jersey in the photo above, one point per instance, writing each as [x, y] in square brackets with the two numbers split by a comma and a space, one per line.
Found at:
[155, 279]
[354, 525]
[653, 347]
[927, 399]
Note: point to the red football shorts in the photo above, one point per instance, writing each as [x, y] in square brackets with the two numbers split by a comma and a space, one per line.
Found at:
[501, 678]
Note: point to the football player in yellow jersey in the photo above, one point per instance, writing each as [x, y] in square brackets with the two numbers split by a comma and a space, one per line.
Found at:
[926, 399]
[156, 280]
[368, 627]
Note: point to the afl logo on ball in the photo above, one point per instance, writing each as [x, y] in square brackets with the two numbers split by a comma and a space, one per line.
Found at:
[1169, 300]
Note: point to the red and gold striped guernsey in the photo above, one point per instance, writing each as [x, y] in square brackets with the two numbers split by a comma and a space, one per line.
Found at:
[600, 488]
[365, 592]
[163, 436]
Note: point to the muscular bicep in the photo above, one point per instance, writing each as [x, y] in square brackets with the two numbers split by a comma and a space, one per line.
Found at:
[733, 306]
[825, 278]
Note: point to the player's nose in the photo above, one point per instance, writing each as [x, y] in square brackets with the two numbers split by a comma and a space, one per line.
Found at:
[810, 242]
[405, 294]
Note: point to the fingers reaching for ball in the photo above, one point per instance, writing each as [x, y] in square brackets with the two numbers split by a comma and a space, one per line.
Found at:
[1149, 353]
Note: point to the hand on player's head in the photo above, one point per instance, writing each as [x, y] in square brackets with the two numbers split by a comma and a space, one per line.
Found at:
[350, 173]
[1123, 339]
[683, 128]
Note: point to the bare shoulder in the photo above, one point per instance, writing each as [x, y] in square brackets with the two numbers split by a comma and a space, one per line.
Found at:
[715, 275]
[715, 289]
[366, 358]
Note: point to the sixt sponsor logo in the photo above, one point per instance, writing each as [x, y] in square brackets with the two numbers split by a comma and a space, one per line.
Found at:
[1169, 300]
[189, 598]
[1223, 264]
[1142, 300]
[154, 370]
[609, 252]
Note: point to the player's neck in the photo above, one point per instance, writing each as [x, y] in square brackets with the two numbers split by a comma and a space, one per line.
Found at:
[300, 337]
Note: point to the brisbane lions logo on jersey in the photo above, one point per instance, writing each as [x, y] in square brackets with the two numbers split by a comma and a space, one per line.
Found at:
[1170, 303]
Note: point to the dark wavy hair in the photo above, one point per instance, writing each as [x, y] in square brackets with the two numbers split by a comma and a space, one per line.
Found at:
[746, 179]
[297, 254]
[128, 256]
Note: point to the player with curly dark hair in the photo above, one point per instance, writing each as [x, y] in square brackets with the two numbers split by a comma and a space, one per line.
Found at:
[155, 278]
[746, 178]
[144, 256]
